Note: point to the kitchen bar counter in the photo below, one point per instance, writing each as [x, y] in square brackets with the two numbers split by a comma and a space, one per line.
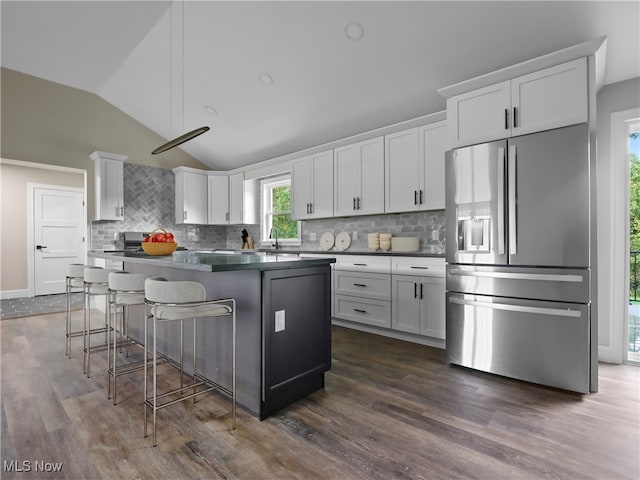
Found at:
[277, 363]
[379, 253]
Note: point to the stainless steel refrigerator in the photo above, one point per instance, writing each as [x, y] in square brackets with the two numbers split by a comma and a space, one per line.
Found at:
[520, 239]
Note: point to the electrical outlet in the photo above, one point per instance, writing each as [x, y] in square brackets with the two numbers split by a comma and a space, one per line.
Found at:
[312, 236]
[279, 321]
[116, 236]
[355, 235]
[435, 235]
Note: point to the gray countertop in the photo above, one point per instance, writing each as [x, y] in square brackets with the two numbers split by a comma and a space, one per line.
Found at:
[215, 261]
[359, 252]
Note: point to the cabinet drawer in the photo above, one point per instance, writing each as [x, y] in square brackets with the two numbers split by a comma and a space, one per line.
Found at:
[368, 285]
[363, 263]
[362, 310]
[420, 266]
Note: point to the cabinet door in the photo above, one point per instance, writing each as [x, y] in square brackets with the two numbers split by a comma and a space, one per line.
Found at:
[480, 115]
[346, 180]
[236, 199]
[301, 186]
[405, 314]
[322, 184]
[194, 198]
[432, 307]
[111, 189]
[371, 195]
[433, 146]
[402, 160]
[218, 211]
[551, 98]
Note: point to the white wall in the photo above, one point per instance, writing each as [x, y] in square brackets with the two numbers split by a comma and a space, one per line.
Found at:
[612, 98]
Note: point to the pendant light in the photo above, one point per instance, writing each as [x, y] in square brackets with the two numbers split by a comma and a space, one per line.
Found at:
[193, 133]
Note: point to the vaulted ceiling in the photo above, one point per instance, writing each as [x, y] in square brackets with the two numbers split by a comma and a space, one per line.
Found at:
[177, 66]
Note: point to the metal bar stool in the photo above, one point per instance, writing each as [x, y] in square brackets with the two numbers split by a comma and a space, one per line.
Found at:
[74, 284]
[169, 301]
[125, 289]
[96, 282]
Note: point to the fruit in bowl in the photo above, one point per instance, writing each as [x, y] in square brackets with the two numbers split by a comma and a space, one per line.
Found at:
[159, 242]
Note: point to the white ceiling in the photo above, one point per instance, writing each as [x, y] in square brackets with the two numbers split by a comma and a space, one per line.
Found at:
[326, 86]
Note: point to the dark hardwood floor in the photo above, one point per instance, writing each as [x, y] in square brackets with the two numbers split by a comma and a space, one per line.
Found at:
[390, 409]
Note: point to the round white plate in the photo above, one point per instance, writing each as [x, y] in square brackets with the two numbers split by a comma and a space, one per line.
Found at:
[326, 241]
[343, 240]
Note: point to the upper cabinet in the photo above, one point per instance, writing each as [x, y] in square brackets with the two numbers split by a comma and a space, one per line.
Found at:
[549, 98]
[414, 168]
[191, 195]
[358, 182]
[109, 185]
[312, 185]
[218, 199]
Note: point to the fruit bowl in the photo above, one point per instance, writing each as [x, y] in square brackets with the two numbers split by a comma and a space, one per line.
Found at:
[151, 246]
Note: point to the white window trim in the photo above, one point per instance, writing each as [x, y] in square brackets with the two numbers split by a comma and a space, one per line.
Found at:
[265, 241]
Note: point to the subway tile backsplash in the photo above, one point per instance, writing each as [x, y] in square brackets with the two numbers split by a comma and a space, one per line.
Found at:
[149, 199]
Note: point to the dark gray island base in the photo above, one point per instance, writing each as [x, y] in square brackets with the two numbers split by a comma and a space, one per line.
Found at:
[278, 363]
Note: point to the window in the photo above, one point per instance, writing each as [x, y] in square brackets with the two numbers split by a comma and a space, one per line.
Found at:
[275, 206]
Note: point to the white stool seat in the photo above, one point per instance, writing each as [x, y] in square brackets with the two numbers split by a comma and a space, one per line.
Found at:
[127, 287]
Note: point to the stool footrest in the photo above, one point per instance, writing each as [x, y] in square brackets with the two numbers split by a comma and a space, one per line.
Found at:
[149, 402]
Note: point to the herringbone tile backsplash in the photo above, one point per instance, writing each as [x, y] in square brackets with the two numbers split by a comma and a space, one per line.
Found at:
[149, 199]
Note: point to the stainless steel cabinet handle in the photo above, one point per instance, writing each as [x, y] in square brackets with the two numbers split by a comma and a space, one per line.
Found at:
[359, 285]
[360, 264]
[500, 201]
[415, 290]
[359, 310]
[415, 197]
[185, 215]
[546, 277]
[421, 199]
[559, 312]
[311, 207]
[513, 214]
[515, 118]
[358, 203]
[421, 291]
[122, 211]
[354, 203]
[506, 119]
[419, 268]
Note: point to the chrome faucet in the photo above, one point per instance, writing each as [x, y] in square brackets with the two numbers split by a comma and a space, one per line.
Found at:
[274, 231]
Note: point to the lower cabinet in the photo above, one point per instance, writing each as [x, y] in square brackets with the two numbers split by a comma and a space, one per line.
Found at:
[401, 294]
[418, 305]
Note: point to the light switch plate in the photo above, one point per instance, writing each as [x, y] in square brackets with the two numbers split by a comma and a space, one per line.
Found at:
[279, 321]
[312, 236]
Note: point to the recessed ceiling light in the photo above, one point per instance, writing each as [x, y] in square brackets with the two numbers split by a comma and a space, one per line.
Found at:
[354, 31]
[266, 79]
[210, 110]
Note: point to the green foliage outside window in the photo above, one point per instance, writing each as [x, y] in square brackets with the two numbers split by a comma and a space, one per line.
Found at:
[281, 208]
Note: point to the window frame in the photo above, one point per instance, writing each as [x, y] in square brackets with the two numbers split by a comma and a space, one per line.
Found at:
[267, 184]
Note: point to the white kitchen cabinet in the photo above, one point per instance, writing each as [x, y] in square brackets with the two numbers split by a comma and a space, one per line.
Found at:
[191, 195]
[414, 168]
[358, 181]
[312, 185]
[109, 185]
[549, 98]
[218, 199]
[418, 296]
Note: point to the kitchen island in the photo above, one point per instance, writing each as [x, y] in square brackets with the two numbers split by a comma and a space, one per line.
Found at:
[278, 363]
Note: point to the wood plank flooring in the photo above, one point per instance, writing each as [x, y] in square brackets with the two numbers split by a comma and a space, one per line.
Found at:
[390, 409]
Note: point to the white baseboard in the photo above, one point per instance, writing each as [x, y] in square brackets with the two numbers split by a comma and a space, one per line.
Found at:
[7, 294]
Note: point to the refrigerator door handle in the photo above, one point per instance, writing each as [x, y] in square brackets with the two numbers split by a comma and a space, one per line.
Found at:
[558, 312]
[513, 214]
[546, 277]
[500, 201]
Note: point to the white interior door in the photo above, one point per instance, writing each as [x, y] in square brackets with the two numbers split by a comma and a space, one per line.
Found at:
[58, 236]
